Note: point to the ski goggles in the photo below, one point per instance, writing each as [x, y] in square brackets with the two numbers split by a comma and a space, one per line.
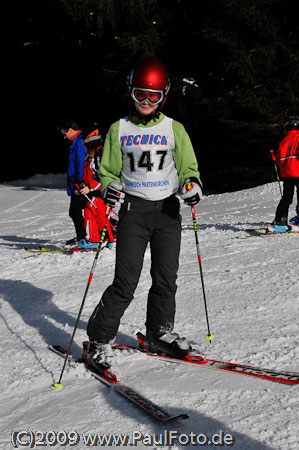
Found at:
[142, 95]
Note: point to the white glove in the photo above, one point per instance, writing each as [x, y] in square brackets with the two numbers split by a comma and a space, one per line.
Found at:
[113, 195]
[191, 191]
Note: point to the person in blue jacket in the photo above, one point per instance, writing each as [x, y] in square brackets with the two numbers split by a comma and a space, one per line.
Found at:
[77, 154]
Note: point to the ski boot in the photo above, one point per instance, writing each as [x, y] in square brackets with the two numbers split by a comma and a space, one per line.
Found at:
[279, 226]
[294, 223]
[100, 359]
[168, 344]
[83, 244]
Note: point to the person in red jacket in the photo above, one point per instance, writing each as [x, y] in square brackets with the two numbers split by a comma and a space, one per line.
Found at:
[95, 209]
[287, 159]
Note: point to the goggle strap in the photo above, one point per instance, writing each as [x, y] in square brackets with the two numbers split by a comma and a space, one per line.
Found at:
[92, 138]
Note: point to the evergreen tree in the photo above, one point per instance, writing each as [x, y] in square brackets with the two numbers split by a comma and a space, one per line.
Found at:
[234, 67]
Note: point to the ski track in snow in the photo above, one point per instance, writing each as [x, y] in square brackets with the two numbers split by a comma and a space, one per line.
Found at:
[252, 296]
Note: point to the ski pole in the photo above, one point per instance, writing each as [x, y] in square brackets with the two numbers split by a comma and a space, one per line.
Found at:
[276, 170]
[59, 384]
[210, 335]
[86, 196]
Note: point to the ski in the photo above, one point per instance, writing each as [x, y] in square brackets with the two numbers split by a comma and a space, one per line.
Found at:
[277, 376]
[126, 391]
[59, 250]
[264, 232]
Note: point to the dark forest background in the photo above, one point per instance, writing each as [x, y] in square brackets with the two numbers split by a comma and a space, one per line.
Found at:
[233, 64]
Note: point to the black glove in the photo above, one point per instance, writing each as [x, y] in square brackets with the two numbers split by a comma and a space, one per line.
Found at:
[191, 191]
[113, 194]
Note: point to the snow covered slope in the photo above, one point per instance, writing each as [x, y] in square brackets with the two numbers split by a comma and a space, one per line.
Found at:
[252, 292]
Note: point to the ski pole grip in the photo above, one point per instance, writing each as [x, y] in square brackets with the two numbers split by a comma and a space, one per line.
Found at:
[79, 187]
[272, 154]
[189, 185]
[82, 185]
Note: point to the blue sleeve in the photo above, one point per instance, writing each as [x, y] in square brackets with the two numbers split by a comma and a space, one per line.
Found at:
[80, 159]
[77, 156]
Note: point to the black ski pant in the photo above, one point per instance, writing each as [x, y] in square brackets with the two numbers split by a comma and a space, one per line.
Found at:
[282, 211]
[141, 222]
[77, 205]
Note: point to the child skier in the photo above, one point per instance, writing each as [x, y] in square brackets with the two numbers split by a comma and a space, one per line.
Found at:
[95, 209]
[147, 159]
[287, 159]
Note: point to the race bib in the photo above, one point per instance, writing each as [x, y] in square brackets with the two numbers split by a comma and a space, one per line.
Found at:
[148, 166]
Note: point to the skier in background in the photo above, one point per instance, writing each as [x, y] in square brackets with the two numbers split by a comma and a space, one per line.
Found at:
[95, 210]
[287, 159]
[148, 158]
[77, 153]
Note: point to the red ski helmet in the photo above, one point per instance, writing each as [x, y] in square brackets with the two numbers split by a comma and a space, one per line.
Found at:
[149, 75]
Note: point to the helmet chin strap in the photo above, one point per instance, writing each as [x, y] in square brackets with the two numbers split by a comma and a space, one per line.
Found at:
[147, 118]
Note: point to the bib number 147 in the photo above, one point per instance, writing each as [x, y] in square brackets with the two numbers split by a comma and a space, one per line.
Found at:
[145, 160]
